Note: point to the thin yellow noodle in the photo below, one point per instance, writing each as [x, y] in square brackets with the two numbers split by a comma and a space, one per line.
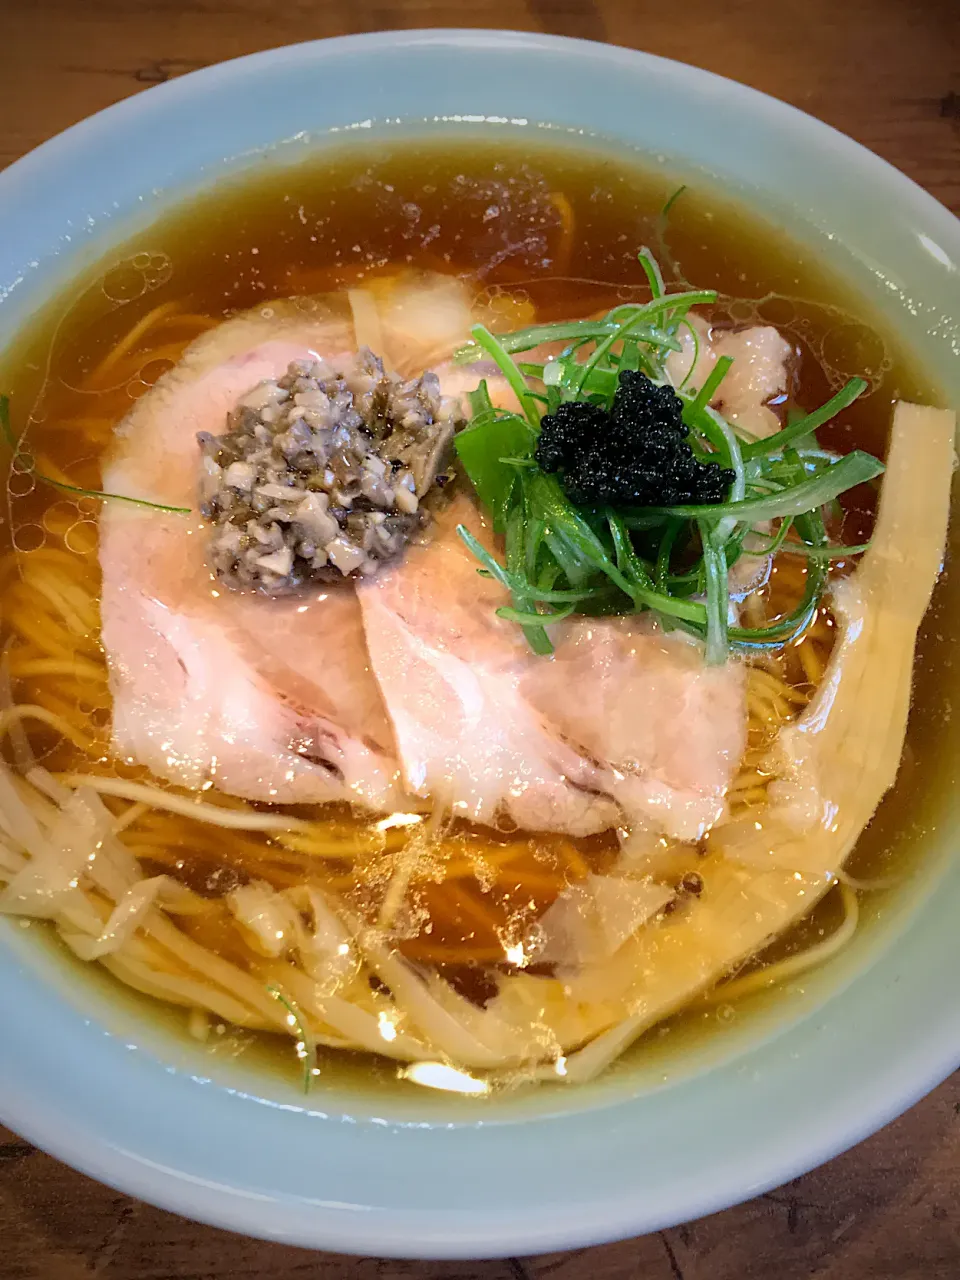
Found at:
[83, 540]
[65, 586]
[132, 815]
[765, 710]
[159, 852]
[462, 953]
[38, 628]
[405, 864]
[812, 666]
[761, 679]
[201, 960]
[34, 560]
[169, 351]
[201, 836]
[37, 613]
[752, 796]
[58, 652]
[564, 208]
[465, 902]
[744, 780]
[162, 822]
[343, 882]
[533, 880]
[867, 886]
[48, 467]
[754, 611]
[11, 565]
[60, 724]
[53, 592]
[81, 427]
[159, 941]
[772, 974]
[163, 985]
[330, 846]
[79, 668]
[493, 859]
[132, 338]
[30, 628]
[279, 877]
[241, 852]
[236, 819]
[574, 860]
[58, 707]
[95, 437]
[190, 320]
[279, 856]
[769, 692]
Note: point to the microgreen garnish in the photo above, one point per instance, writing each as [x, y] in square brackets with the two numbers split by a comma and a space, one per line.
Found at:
[575, 542]
[305, 1051]
[665, 211]
[28, 465]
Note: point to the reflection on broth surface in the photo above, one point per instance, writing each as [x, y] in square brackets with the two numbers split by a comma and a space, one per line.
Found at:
[279, 755]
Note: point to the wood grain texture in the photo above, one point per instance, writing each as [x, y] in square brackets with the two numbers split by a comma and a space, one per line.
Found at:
[885, 71]
[888, 1210]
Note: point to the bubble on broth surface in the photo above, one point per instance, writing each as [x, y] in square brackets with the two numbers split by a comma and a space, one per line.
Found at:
[81, 537]
[856, 340]
[28, 537]
[153, 370]
[60, 516]
[132, 277]
[20, 483]
[742, 312]
[123, 283]
[136, 388]
[776, 310]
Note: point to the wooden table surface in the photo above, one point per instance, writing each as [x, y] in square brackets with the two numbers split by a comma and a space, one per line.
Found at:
[885, 71]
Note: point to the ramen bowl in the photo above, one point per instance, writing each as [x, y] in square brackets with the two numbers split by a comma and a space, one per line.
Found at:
[676, 1131]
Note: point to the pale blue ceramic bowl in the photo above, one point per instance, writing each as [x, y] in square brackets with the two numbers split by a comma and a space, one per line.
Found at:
[94, 1079]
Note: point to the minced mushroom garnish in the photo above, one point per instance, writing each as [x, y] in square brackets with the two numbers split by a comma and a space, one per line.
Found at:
[320, 474]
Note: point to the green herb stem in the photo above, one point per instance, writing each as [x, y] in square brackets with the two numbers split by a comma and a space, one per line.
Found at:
[298, 1025]
[563, 559]
[806, 425]
[718, 600]
[651, 270]
[850, 470]
[29, 466]
[485, 339]
[712, 383]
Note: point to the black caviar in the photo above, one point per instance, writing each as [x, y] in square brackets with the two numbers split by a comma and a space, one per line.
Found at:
[634, 455]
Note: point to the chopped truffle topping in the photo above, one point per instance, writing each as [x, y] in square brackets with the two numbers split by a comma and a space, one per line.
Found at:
[320, 474]
[635, 455]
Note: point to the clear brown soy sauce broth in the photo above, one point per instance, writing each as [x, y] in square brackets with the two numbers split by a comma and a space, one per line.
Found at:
[563, 225]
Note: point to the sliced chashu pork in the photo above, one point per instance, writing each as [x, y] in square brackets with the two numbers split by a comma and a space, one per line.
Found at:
[266, 699]
[623, 719]
[760, 372]
[276, 700]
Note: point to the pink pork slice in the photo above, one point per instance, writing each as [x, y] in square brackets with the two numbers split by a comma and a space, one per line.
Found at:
[623, 720]
[271, 700]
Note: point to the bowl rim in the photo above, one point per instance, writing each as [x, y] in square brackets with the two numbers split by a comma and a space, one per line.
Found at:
[331, 1226]
[24, 167]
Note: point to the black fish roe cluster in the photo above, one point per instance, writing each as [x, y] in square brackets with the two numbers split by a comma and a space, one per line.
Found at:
[635, 455]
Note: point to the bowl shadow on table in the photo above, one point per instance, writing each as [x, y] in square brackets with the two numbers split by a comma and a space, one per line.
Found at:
[886, 1210]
